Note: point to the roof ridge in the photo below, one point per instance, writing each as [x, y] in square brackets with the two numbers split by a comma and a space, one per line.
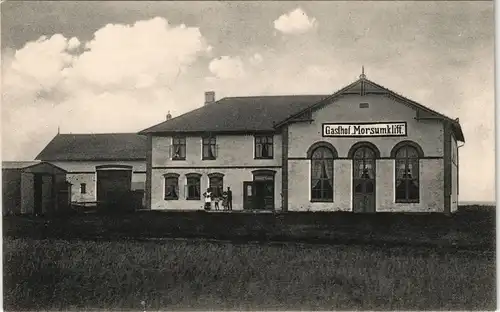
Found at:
[273, 95]
[96, 133]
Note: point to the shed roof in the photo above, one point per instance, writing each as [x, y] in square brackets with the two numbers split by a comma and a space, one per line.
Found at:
[30, 165]
[90, 147]
[19, 164]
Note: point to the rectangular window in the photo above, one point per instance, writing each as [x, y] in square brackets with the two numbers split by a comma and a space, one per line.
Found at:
[171, 188]
[364, 105]
[193, 188]
[83, 188]
[216, 185]
[263, 146]
[209, 148]
[178, 148]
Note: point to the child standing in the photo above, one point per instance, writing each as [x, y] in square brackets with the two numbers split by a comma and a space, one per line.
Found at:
[216, 202]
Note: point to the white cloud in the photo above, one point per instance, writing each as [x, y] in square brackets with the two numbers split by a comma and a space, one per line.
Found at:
[226, 67]
[256, 59]
[295, 22]
[122, 82]
[37, 66]
[73, 44]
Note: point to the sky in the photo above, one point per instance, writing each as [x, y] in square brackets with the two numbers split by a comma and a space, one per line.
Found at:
[112, 66]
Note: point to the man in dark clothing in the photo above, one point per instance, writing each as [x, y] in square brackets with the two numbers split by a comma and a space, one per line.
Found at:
[229, 199]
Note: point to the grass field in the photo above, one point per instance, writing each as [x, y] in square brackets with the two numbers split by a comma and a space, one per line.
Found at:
[472, 228]
[69, 275]
[387, 261]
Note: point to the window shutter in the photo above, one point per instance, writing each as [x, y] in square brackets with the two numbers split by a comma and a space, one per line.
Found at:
[216, 150]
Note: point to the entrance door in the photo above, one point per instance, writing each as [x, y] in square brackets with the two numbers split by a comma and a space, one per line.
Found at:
[113, 185]
[364, 180]
[258, 195]
[264, 195]
[47, 193]
[248, 195]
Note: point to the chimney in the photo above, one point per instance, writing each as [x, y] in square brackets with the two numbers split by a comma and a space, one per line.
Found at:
[209, 97]
[169, 116]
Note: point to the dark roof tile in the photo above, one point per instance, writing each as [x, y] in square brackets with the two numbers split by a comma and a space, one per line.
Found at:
[253, 113]
[102, 146]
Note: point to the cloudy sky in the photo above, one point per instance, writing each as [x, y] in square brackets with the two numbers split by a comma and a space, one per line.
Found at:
[121, 66]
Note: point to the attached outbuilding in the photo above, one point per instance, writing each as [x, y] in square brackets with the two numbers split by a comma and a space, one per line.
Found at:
[103, 168]
[33, 187]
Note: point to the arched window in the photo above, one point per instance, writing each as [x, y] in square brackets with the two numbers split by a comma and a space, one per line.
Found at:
[407, 172]
[322, 174]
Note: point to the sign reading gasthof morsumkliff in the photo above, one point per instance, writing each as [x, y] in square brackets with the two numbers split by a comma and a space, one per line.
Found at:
[365, 129]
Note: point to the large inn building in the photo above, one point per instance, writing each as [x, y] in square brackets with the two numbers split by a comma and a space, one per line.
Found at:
[363, 149]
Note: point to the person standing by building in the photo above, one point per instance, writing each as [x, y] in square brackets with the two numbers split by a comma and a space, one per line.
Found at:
[208, 199]
[229, 199]
[224, 200]
[216, 202]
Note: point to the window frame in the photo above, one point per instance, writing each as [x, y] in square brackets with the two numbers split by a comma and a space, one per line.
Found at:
[171, 176]
[197, 177]
[216, 175]
[257, 139]
[406, 160]
[208, 137]
[181, 143]
[331, 160]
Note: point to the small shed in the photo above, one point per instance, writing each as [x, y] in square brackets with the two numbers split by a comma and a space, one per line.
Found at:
[34, 187]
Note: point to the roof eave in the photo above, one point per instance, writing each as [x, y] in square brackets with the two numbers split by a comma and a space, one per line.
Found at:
[93, 159]
[197, 132]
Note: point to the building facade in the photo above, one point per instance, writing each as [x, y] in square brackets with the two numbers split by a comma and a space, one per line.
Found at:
[99, 164]
[363, 149]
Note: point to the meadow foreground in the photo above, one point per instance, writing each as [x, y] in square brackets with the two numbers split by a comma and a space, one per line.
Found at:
[52, 274]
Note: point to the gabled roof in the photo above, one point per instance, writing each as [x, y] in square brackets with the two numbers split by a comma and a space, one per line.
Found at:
[267, 113]
[232, 114]
[365, 86]
[90, 147]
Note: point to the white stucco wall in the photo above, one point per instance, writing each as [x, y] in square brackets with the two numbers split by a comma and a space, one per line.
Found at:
[431, 187]
[428, 134]
[299, 193]
[233, 150]
[85, 172]
[232, 177]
